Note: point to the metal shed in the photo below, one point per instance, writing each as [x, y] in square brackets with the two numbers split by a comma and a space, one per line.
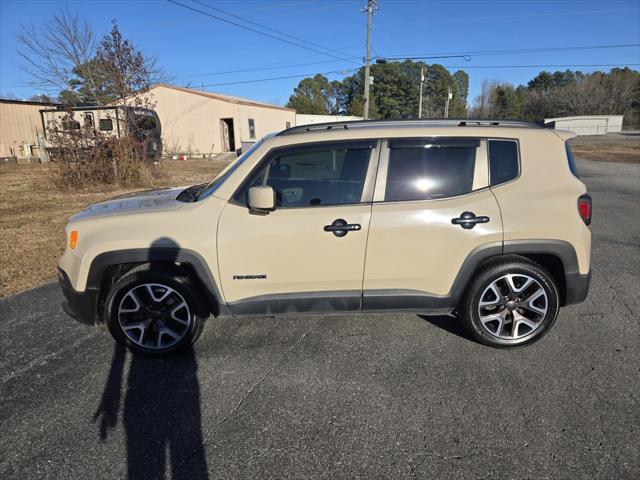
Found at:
[20, 126]
[588, 124]
[204, 123]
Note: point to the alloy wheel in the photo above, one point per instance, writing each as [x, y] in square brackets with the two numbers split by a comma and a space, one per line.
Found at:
[154, 316]
[513, 306]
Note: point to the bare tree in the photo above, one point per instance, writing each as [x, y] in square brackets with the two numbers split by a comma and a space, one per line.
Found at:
[54, 53]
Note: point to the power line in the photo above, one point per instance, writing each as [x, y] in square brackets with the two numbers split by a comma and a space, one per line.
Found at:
[556, 65]
[232, 15]
[467, 57]
[256, 80]
[257, 31]
[508, 52]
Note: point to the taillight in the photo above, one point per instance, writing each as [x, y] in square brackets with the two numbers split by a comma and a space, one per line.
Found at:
[584, 208]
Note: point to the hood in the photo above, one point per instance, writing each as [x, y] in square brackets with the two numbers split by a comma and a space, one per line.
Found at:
[139, 202]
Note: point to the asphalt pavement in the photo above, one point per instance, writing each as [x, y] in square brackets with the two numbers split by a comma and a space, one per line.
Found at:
[371, 396]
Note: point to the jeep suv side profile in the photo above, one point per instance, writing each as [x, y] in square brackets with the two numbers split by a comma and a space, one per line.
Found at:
[483, 219]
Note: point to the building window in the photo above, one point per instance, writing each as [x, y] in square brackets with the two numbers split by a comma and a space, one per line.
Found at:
[252, 128]
[287, 125]
[106, 124]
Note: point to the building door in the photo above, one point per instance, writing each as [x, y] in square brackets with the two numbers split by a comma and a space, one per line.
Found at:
[228, 137]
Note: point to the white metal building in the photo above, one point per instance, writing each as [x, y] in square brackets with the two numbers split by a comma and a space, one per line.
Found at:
[589, 124]
[20, 125]
[307, 119]
[205, 123]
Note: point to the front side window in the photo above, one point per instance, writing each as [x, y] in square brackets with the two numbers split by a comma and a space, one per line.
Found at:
[313, 177]
[252, 128]
[428, 171]
[503, 160]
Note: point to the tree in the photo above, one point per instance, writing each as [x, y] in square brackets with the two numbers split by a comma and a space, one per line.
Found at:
[124, 70]
[53, 53]
[63, 55]
[316, 96]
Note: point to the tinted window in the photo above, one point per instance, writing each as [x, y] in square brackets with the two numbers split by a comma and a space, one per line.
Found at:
[328, 176]
[430, 171]
[503, 160]
[106, 124]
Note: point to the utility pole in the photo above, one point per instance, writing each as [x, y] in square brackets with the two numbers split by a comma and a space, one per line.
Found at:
[446, 105]
[371, 6]
[422, 77]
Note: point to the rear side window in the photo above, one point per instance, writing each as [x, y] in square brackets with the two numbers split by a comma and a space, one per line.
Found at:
[503, 160]
[423, 172]
[571, 160]
[313, 177]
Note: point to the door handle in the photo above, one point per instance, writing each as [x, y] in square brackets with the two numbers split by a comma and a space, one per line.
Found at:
[468, 220]
[340, 227]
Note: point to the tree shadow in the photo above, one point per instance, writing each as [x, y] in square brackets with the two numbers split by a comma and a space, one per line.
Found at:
[449, 323]
[161, 414]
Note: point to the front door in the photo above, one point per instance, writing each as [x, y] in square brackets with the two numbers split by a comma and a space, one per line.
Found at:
[300, 257]
[432, 211]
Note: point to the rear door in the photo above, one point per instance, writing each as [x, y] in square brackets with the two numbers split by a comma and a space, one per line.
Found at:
[308, 254]
[432, 211]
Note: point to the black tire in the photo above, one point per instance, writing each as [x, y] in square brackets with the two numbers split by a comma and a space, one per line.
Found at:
[469, 308]
[195, 311]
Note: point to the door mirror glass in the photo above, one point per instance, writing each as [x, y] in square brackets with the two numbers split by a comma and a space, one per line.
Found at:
[261, 199]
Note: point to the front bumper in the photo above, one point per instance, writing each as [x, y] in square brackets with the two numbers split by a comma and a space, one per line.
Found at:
[80, 306]
[577, 287]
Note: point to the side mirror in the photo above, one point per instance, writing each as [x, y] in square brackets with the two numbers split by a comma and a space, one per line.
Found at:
[261, 199]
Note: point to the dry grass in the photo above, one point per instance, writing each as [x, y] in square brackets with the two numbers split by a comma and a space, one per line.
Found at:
[33, 213]
[610, 148]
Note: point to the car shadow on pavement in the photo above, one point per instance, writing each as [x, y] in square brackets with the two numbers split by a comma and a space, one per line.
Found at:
[160, 413]
[448, 323]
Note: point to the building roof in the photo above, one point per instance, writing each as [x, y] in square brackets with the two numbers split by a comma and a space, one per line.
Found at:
[222, 97]
[24, 102]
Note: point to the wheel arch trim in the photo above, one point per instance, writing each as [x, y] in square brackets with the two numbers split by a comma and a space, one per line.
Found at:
[193, 259]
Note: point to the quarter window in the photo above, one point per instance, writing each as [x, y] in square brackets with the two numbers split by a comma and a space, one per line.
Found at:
[426, 171]
[314, 177]
[503, 160]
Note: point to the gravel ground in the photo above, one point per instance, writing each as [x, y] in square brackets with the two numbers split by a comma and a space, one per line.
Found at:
[371, 396]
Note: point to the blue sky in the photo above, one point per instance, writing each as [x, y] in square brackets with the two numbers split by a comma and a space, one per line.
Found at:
[193, 47]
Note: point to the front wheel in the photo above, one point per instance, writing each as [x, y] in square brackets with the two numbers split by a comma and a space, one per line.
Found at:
[154, 312]
[510, 303]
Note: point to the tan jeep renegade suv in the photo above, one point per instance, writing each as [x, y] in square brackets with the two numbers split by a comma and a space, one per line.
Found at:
[484, 219]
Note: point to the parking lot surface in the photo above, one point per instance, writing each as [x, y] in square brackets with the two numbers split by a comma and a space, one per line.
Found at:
[370, 396]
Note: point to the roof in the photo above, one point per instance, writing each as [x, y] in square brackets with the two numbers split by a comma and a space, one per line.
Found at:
[581, 117]
[22, 102]
[222, 97]
[381, 124]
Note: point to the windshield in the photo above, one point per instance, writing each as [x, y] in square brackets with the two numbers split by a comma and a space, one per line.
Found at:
[224, 174]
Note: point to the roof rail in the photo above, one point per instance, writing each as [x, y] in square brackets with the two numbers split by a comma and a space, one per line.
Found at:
[426, 122]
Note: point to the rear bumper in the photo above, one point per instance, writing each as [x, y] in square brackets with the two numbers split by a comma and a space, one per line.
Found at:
[577, 287]
[80, 306]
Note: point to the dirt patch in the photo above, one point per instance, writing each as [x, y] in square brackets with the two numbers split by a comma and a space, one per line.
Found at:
[33, 214]
[624, 148]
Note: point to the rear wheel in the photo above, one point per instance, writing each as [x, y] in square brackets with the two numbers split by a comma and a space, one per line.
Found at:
[512, 302]
[154, 312]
